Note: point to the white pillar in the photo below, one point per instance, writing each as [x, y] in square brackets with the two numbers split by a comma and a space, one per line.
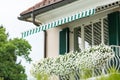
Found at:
[82, 37]
[92, 34]
[102, 31]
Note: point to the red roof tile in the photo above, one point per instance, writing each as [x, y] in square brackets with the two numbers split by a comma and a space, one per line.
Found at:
[40, 5]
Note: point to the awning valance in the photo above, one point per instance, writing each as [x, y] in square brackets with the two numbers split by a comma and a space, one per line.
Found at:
[59, 22]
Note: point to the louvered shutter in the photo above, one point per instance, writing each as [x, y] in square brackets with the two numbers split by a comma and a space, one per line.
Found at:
[114, 28]
[64, 41]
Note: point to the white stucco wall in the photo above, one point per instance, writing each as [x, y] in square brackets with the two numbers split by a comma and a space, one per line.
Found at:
[52, 44]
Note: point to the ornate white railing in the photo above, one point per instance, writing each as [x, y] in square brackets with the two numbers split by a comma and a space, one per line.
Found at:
[112, 63]
[115, 61]
[105, 69]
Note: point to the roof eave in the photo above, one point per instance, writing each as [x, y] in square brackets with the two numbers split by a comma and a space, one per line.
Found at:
[44, 9]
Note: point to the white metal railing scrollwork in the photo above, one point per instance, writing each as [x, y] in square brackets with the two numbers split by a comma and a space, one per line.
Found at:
[111, 63]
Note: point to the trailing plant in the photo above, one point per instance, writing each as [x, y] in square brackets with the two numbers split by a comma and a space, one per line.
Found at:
[73, 63]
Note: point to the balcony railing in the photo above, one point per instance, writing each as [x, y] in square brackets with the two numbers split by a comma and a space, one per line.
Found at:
[105, 69]
[89, 64]
[115, 61]
[110, 64]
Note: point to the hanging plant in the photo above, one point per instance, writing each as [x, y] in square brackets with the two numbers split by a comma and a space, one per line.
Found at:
[65, 65]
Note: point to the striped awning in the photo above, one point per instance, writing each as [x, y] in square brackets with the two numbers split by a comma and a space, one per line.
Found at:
[59, 22]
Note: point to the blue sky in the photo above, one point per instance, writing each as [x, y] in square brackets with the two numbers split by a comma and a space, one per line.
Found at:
[9, 11]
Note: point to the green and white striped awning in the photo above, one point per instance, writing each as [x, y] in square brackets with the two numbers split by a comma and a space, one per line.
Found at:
[59, 22]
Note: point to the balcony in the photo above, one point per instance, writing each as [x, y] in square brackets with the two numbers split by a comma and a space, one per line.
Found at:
[88, 64]
[105, 70]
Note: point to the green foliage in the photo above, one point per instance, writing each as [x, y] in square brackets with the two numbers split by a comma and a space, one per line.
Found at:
[42, 76]
[9, 50]
[86, 73]
[3, 36]
[22, 48]
[1, 78]
[113, 75]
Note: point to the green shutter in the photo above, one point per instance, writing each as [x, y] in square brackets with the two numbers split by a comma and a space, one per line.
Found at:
[119, 29]
[114, 28]
[64, 41]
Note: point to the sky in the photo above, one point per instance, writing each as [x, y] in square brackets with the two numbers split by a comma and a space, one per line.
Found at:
[9, 11]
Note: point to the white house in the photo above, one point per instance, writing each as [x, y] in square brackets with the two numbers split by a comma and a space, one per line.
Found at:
[73, 25]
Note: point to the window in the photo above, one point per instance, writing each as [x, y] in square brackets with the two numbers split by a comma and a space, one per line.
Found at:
[94, 33]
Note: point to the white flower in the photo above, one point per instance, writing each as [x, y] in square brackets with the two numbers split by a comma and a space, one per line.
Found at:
[69, 63]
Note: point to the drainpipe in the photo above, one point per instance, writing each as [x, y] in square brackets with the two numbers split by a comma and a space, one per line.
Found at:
[45, 44]
[33, 18]
[45, 40]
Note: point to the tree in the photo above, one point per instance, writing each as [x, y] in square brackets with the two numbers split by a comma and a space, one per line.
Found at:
[9, 50]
